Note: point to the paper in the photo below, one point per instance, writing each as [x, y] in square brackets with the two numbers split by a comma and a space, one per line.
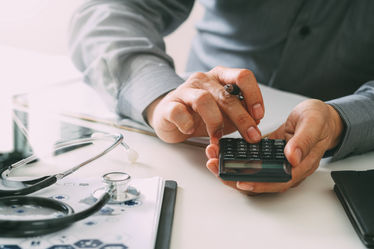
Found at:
[116, 226]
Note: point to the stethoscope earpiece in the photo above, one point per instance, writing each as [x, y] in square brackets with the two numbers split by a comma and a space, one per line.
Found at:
[132, 155]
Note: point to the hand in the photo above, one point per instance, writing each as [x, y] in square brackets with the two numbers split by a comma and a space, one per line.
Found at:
[312, 128]
[201, 107]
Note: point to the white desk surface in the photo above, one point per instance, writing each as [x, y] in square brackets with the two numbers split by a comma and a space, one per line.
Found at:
[209, 214]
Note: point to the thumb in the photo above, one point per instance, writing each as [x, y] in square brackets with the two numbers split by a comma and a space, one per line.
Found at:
[306, 136]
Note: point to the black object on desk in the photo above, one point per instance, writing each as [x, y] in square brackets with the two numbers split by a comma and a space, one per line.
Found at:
[165, 224]
[355, 190]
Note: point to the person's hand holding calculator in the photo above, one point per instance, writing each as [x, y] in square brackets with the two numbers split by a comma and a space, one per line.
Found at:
[312, 128]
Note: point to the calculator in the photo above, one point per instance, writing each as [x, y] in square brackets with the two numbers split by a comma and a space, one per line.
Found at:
[259, 162]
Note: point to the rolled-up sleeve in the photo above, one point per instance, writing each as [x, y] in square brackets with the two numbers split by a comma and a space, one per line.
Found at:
[118, 45]
[357, 112]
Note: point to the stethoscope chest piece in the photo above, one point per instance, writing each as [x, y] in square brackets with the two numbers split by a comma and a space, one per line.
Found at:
[117, 185]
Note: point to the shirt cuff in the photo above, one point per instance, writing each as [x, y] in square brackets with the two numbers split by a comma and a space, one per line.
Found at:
[352, 112]
[150, 82]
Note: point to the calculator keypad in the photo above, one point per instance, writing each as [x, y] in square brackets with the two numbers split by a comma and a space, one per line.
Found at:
[265, 150]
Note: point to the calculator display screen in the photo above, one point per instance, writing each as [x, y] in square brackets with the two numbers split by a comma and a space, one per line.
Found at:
[252, 165]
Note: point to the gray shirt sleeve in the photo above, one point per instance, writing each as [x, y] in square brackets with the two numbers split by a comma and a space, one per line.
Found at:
[119, 47]
[357, 112]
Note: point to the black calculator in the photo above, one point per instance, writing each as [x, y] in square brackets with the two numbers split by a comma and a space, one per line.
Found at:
[260, 162]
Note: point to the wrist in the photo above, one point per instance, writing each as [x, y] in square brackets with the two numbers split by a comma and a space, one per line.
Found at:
[150, 111]
[337, 127]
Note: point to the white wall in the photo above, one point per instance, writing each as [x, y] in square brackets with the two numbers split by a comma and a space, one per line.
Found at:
[41, 25]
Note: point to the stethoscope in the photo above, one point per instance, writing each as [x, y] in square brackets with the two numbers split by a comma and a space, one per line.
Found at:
[115, 191]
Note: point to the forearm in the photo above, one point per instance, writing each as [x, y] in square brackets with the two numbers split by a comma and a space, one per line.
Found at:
[118, 45]
[357, 112]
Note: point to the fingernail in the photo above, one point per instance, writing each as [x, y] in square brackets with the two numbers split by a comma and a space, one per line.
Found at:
[258, 111]
[298, 155]
[245, 186]
[253, 134]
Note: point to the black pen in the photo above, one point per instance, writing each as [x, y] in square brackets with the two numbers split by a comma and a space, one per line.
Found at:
[233, 89]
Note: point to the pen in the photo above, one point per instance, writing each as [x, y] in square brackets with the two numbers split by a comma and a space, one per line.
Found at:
[233, 89]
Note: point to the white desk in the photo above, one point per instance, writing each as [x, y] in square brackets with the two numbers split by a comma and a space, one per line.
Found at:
[209, 214]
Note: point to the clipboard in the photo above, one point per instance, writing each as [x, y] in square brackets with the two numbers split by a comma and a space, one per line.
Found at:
[155, 207]
[167, 215]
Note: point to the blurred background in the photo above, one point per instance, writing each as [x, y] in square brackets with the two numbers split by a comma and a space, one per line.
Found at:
[42, 26]
[34, 52]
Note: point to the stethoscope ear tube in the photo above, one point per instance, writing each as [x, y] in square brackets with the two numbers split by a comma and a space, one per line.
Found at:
[22, 228]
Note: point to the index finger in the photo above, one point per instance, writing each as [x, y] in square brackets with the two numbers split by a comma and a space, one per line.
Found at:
[248, 85]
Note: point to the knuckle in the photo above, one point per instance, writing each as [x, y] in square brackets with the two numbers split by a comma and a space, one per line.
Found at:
[216, 123]
[176, 109]
[217, 69]
[242, 118]
[202, 98]
[307, 141]
[224, 98]
[245, 74]
[198, 76]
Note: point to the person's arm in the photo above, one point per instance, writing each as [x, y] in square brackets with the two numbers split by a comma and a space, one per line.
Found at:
[357, 113]
[119, 46]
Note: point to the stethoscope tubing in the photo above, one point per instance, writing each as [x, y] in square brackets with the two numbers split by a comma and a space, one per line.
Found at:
[46, 181]
[22, 228]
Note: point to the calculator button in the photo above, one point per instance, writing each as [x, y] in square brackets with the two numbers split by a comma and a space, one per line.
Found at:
[240, 142]
[242, 153]
[254, 149]
[254, 152]
[279, 156]
[266, 150]
[266, 146]
[229, 154]
[266, 141]
[279, 142]
[254, 158]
